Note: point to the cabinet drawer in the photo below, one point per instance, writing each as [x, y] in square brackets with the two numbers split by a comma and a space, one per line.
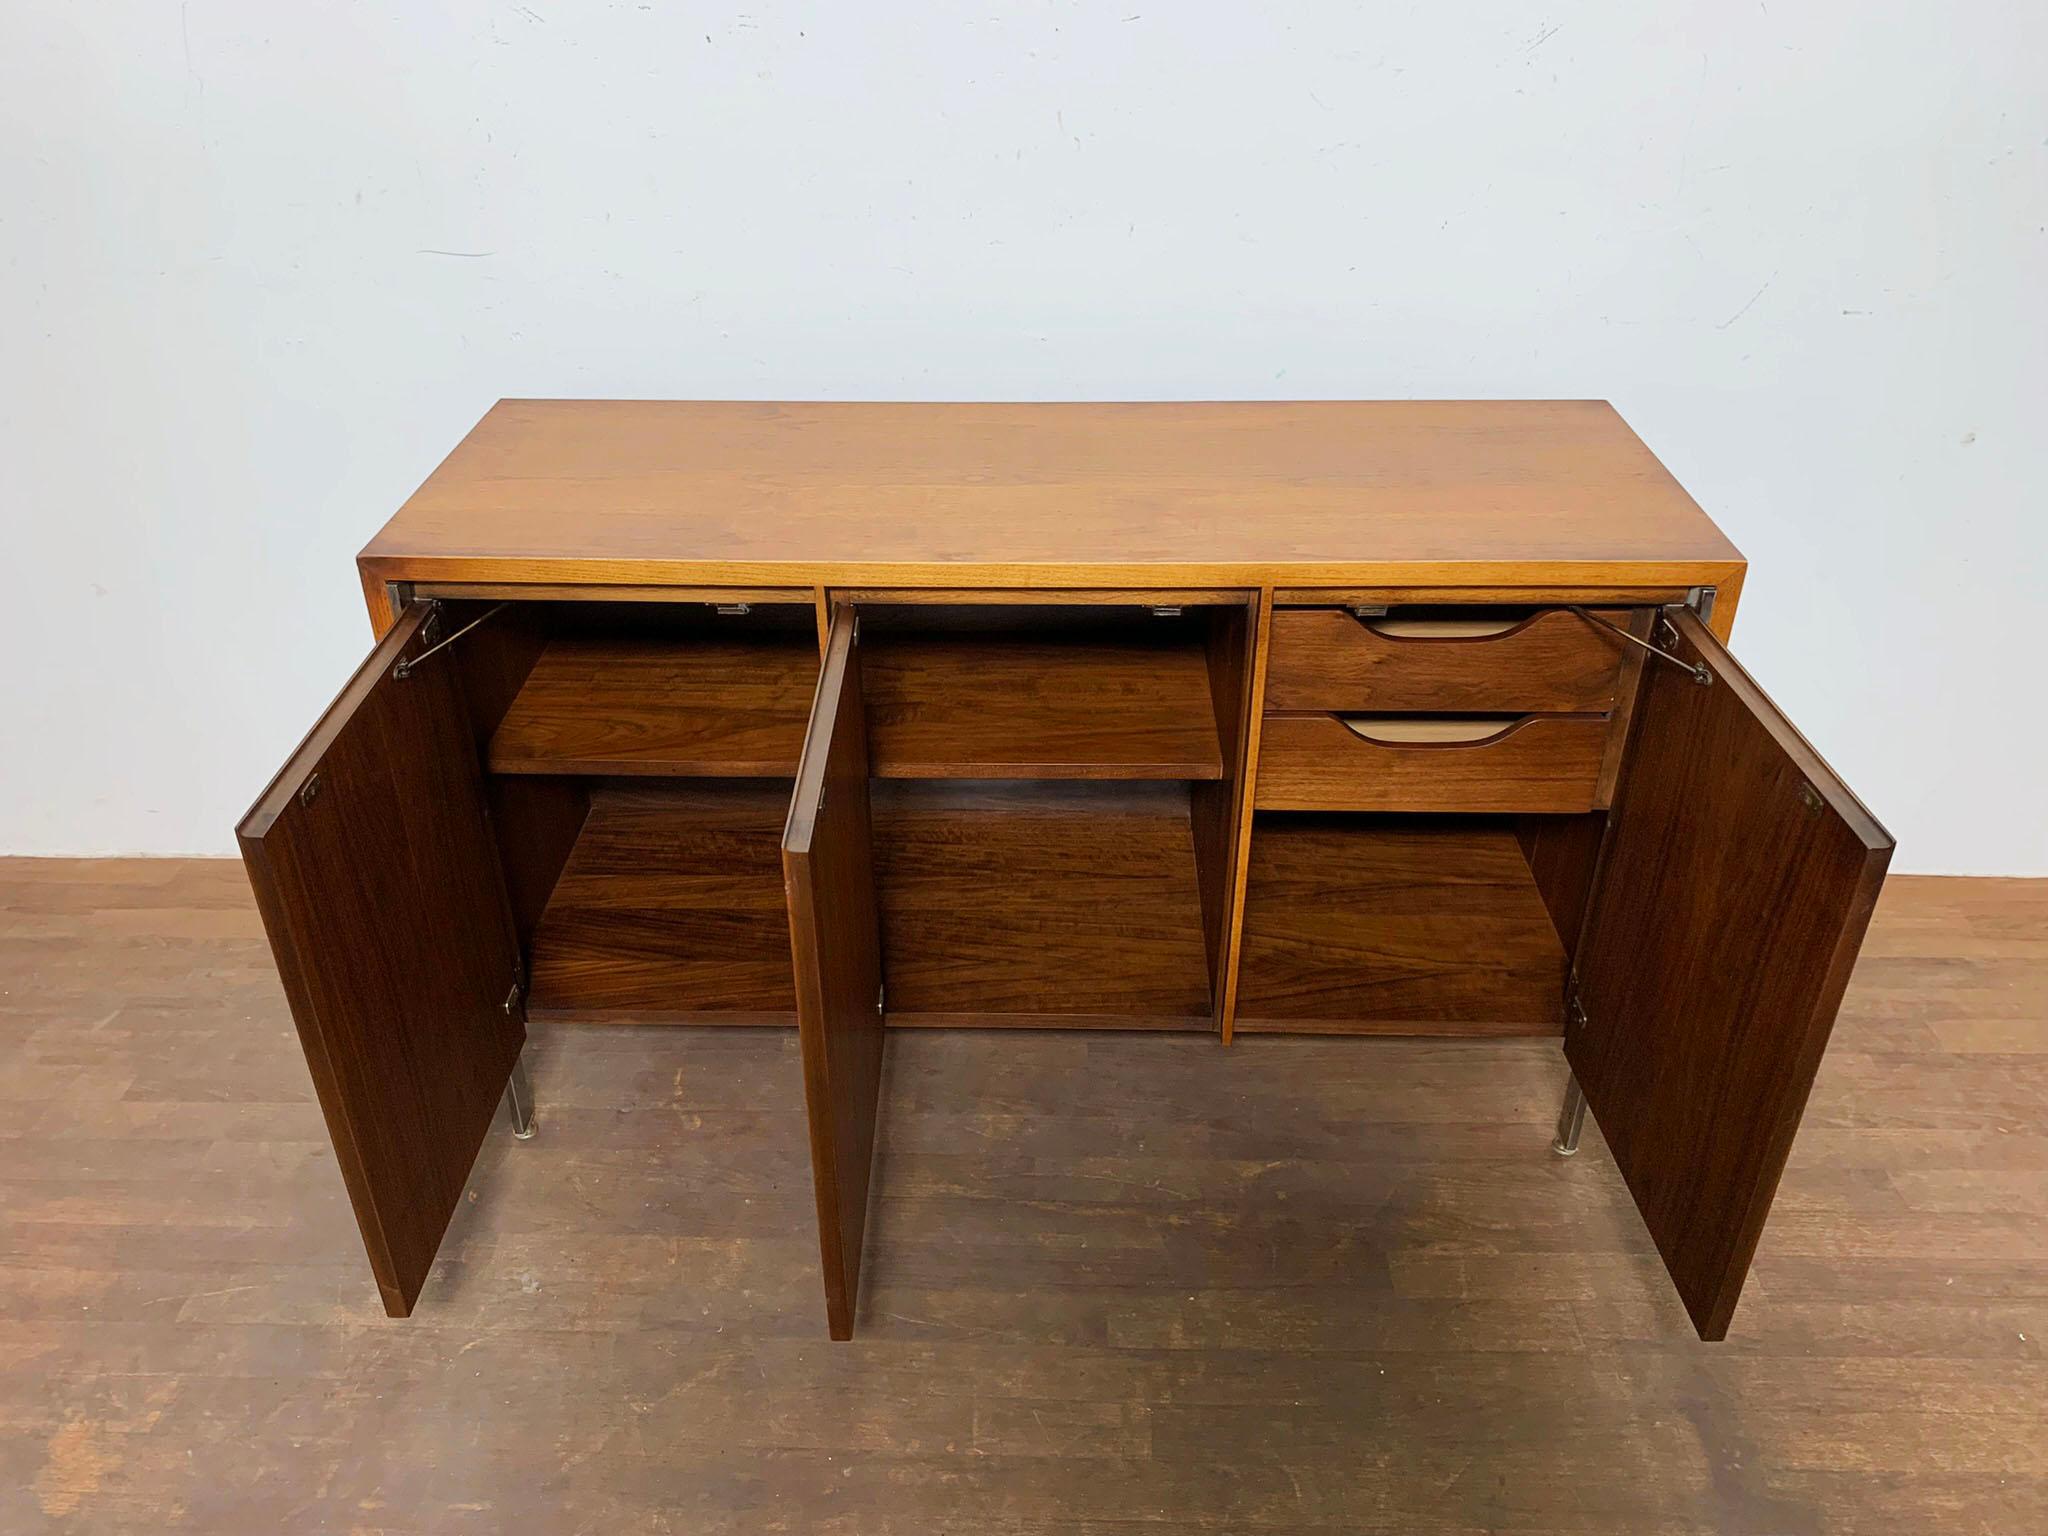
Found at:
[1326, 763]
[1551, 662]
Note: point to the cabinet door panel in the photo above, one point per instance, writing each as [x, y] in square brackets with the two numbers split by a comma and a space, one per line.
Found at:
[835, 933]
[1737, 881]
[381, 893]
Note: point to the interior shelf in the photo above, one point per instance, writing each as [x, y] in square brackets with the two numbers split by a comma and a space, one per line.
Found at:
[1006, 706]
[1040, 904]
[671, 706]
[670, 910]
[1387, 924]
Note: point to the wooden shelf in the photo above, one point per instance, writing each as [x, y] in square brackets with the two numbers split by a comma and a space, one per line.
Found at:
[670, 909]
[1394, 925]
[1008, 707]
[1032, 904]
[670, 707]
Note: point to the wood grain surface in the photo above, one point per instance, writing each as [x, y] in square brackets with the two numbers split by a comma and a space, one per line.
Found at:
[671, 910]
[1552, 663]
[1732, 893]
[835, 934]
[1546, 763]
[1388, 493]
[1008, 707]
[386, 787]
[1026, 903]
[1117, 1282]
[684, 707]
[1396, 925]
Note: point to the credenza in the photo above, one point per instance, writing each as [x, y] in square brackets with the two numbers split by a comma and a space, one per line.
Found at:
[1360, 718]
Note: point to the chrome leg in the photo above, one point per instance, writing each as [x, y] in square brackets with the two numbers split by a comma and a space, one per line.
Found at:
[519, 1100]
[1571, 1119]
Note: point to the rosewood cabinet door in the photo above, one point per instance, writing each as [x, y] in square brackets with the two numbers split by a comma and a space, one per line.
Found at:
[1738, 879]
[380, 888]
[835, 932]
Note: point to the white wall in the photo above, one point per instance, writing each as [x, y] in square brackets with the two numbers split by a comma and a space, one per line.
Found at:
[261, 265]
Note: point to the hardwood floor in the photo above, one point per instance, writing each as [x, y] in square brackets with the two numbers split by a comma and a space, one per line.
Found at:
[1310, 1285]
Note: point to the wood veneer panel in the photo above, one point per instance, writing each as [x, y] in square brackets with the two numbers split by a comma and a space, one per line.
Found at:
[1004, 706]
[1553, 662]
[671, 909]
[1016, 903]
[534, 820]
[670, 707]
[1736, 883]
[1213, 807]
[1157, 494]
[828, 864]
[1545, 763]
[374, 870]
[1562, 852]
[1396, 925]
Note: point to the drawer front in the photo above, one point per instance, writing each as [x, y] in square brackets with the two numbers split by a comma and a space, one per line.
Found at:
[1319, 763]
[1552, 662]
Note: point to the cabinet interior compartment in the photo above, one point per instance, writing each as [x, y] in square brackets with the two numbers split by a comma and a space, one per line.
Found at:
[662, 690]
[1039, 692]
[638, 764]
[1412, 924]
[1071, 904]
[670, 909]
[1051, 805]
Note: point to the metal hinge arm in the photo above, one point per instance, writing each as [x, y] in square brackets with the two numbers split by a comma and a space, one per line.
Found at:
[1698, 671]
[405, 666]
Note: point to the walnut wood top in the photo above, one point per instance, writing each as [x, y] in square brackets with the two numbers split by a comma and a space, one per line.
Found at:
[1046, 495]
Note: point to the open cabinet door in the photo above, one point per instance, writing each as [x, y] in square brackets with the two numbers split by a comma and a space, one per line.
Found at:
[835, 931]
[381, 892]
[1737, 881]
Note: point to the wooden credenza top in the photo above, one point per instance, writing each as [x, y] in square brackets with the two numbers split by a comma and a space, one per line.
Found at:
[1287, 494]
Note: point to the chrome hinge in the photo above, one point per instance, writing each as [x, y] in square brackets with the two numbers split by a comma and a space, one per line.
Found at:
[1166, 610]
[732, 610]
[515, 997]
[1701, 601]
[881, 997]
[1368, 610]
[1576, 1013]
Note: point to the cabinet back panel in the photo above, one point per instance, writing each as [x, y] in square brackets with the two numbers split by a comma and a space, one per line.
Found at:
[671, 910]
[1065, 904]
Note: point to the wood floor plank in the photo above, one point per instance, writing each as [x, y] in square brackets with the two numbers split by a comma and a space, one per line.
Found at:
[1115, 1281]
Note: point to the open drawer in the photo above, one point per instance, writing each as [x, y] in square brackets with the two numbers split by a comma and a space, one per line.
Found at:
[1540, 763]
